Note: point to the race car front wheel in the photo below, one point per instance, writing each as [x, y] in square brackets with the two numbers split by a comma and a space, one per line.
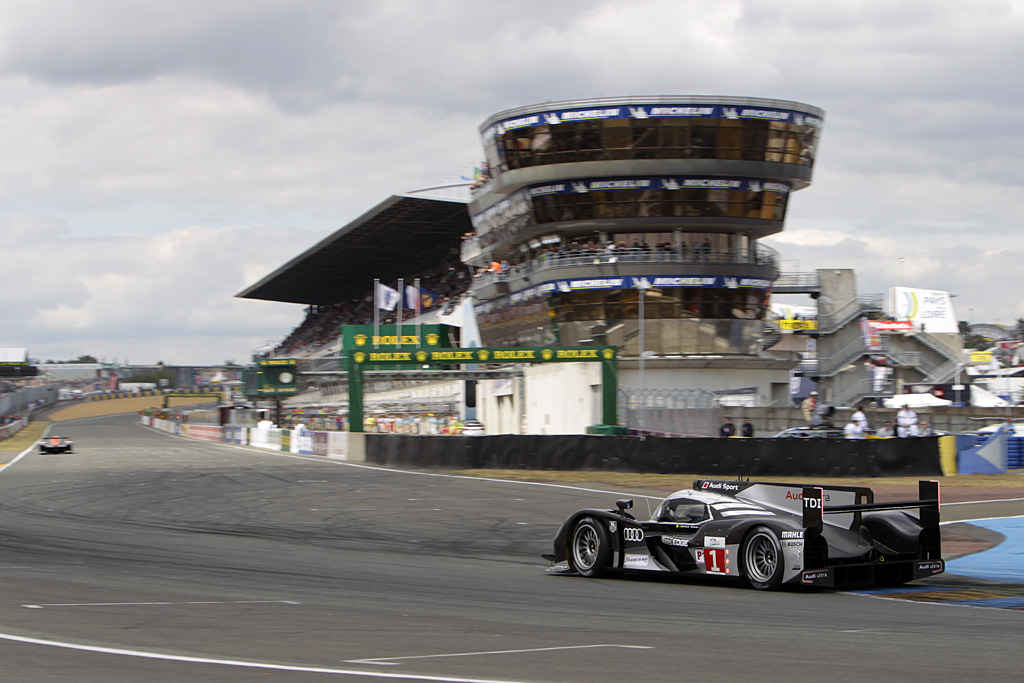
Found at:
[591, 548]
[761, 559]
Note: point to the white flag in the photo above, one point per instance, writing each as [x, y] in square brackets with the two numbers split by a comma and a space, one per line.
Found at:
[387, 297]
[412, 298]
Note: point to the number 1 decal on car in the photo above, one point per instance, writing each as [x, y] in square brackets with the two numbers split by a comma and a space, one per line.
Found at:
[714, 561]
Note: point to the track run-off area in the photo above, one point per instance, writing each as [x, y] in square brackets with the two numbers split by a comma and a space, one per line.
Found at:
[148, 557]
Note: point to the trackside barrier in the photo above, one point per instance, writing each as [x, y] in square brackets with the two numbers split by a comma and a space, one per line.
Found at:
[336, 445]
[206, 432]
[986, 455]
[11, 429]
[724, 458]
[1015, 452]
[236, 435]
[301, 441]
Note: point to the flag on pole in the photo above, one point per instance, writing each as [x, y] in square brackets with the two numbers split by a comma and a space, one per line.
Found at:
[387, 297]
[412, 299]
[427, 298]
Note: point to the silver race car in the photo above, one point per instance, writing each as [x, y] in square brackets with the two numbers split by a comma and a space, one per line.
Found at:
[768, 534]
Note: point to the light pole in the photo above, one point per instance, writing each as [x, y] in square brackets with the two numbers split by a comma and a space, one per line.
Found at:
[642, 285]
[901, 261]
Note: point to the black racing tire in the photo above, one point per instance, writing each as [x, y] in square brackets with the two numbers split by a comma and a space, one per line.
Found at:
[761, 559]
[590, 548]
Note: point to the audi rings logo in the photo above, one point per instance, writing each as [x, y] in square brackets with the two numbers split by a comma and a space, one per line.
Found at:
[631, 533]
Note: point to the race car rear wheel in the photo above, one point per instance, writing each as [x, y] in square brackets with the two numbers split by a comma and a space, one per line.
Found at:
[591, 548]
[761, 559]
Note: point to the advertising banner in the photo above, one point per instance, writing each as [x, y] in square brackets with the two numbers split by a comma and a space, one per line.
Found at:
[929, 310]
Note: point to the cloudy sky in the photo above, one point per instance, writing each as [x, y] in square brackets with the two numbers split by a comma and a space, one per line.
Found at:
[158, 157]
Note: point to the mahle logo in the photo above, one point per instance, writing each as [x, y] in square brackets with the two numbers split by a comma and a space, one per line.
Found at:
[608, 353]
[483, 354]
[432, 339]
[359, 357]
[547, 354]
[421, 356]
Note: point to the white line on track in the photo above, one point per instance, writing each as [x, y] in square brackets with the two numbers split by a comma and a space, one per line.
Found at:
[195, 602]
[249, 665]
[389, 661]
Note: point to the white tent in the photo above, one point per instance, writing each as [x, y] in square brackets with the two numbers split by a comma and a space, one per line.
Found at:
[983, 398]
[915, 401]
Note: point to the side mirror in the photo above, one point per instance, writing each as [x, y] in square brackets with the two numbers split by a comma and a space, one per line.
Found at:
[624, 504]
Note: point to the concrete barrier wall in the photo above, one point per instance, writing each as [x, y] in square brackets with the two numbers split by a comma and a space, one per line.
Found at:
[9, 430]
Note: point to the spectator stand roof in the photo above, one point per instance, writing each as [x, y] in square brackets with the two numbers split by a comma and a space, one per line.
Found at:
[400, 237]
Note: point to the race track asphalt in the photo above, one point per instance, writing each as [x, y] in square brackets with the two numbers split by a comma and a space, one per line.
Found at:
[147, 557]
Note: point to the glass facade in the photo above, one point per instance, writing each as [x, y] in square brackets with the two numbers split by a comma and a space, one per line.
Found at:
[652, 138]
[570, 259]
[639, 198]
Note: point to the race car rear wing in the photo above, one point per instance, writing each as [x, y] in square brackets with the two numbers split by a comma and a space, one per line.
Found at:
[814, 508]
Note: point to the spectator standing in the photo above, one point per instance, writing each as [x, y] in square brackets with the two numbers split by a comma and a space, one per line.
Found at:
[807, 406]
[747, 429]
[906, 422]
[728, 429]
[860, 418]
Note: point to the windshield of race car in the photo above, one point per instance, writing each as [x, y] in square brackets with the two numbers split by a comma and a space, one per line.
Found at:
[681, 510]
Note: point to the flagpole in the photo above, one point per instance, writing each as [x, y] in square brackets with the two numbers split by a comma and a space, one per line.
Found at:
[376, 312]
[401, 300]
[419, 311]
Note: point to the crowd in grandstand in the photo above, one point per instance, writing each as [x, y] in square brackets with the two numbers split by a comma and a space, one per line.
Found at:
[322, 323]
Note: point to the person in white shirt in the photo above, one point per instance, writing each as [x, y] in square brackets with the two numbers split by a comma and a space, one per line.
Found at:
[860, 418]
[853, 430]
[906, 422]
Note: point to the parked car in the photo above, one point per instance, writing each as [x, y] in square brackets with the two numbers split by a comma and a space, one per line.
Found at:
[473, 428]
[810, 433]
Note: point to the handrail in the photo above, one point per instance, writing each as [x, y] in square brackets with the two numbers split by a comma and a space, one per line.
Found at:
[830, 322]
[595, 257]
[865, 388]
[806, 281]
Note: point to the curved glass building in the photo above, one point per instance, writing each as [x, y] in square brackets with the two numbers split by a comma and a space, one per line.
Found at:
[595, 216]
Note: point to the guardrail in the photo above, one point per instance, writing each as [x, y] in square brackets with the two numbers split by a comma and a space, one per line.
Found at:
[623, 256]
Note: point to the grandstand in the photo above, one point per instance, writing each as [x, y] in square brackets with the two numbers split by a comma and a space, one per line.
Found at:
[417, 235]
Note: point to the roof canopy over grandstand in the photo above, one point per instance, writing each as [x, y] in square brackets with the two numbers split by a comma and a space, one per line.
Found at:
[400, 236]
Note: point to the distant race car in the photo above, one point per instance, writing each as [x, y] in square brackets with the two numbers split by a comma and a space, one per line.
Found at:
[768, 534]
[56, 444]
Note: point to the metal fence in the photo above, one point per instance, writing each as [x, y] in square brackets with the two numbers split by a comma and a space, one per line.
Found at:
[671, 412]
